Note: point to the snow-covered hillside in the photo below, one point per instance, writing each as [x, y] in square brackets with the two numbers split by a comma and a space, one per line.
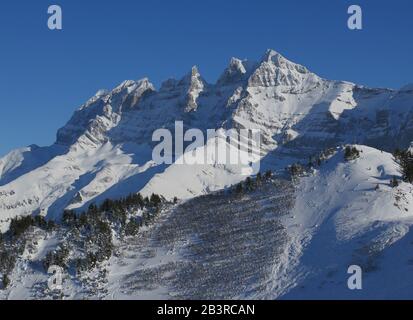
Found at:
[279, 240]
[346, 214]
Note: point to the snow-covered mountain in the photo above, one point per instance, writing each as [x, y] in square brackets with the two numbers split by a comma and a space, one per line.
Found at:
[227, 237]
[105, 149]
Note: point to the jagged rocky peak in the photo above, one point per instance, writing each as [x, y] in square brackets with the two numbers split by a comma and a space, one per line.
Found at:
[144, 82]
[127, 91]
[133, 95]
[187, 89]
[234, 73]
[101, 93]
[105, 104]
[193, 78]
[168, 85]
[142, 86]
[273, 57]
[132, 86]
[124, 85]
[138, 88]
[275, 70]
[194, 85]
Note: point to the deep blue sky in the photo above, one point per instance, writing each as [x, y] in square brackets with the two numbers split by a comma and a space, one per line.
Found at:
[45, 75]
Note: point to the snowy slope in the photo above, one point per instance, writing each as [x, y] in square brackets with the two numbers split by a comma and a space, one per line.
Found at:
[282, 241]
[340, 219]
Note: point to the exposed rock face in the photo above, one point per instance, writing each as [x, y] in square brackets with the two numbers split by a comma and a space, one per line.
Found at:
[275, 70]
[105, 148]
[102, 112]
[196, 86]
[235, 72]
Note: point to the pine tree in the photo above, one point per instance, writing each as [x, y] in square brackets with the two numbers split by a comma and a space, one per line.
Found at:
[5, 281]
[310, 162]
[40, 222]
[139, 200]
[394, 182]
[132, 228]
[19, 225]
[296, 169]
[397, 152]
[83, 219]
[50, 225]
[351, 153]
[69, 217]
[93, 209]
[155, 200]
[249, 184]
[107, 205]
[258, 178]
[146, 202]
[405, 160]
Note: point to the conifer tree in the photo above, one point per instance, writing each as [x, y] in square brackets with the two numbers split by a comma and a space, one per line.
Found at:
[394, 182]
[5, 281]
[351, 153]
[238, 188]
[248, 184]
[405, 160]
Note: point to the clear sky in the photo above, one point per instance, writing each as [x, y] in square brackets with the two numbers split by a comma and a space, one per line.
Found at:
[45, 75]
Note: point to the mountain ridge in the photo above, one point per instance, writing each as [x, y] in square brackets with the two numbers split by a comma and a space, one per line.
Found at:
[104, 150]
